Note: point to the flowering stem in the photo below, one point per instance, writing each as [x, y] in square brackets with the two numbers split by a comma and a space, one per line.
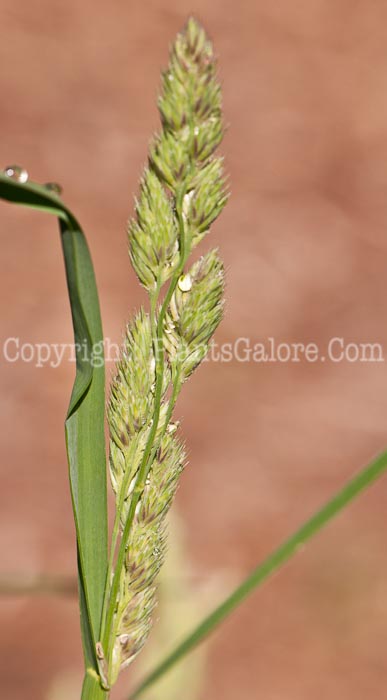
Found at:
[183, 190]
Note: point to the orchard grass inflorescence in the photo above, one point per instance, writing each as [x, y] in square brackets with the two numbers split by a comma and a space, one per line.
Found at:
[182, 192]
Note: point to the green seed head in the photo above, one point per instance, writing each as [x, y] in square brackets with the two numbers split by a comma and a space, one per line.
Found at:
[131, 396]
[205, 200]
[190, 108]
[153, 235]
[182, 192]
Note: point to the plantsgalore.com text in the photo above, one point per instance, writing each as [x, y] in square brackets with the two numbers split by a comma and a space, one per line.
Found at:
[243, 350]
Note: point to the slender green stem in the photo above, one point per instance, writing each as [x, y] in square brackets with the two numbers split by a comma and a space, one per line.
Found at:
[91, 689]
[154, 297]
[113, 546]
[150, 447]
[269, 566]
[171, 405]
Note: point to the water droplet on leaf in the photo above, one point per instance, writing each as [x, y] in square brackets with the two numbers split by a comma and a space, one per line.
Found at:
[16, 172]
[54, 187]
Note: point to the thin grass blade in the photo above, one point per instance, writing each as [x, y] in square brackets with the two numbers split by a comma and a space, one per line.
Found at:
[84, 425]
[273, 562]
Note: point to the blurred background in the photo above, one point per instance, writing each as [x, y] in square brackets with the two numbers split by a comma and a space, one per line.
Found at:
[304, 239]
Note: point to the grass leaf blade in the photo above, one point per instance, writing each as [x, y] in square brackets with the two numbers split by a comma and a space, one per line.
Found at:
[85, 429]
[85, 418]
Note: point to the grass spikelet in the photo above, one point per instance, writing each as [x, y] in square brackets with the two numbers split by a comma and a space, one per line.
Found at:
[194, 313]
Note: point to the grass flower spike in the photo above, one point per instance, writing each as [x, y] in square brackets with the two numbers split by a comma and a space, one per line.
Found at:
[182, 192]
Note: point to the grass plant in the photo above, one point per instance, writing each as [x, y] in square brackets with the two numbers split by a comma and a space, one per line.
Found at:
[183, 190]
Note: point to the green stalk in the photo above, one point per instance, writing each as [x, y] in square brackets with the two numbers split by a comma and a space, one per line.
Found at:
[268, 567]
[91, 689]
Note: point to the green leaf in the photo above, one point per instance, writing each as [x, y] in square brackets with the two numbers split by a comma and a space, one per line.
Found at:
[84, 425]
[273, 562]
